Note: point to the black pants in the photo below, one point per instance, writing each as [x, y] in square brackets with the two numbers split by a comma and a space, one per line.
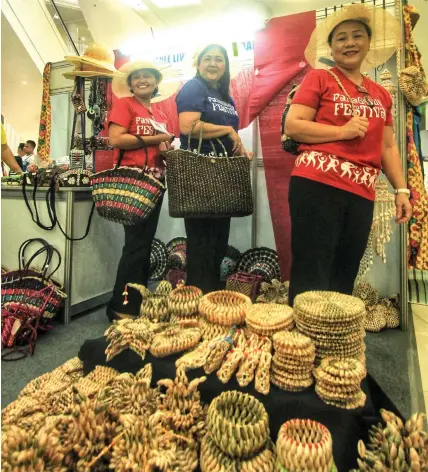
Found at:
[329, 234]
[207, 240]
[134, 264]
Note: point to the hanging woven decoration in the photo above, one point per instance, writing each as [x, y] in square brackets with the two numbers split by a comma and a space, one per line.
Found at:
[381, 231]
[44, 142]
[158, 260]
[388, 84]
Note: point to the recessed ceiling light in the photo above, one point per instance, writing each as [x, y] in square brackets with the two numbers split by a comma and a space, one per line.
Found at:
[175, 3]
[56, 16]
[24, 82]
[83, 38]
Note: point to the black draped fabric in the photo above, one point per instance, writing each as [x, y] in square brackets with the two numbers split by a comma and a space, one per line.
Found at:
[346, 427]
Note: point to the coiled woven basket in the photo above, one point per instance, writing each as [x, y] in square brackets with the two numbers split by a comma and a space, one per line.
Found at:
[224, 307]
[238, 423]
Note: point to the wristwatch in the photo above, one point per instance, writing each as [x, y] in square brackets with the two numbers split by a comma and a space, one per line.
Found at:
[402, 190]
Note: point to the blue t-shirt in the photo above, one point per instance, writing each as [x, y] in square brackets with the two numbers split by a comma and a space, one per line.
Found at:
[196, 95]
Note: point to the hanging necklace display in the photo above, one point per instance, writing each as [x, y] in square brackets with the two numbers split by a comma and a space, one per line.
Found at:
[98, 104]
[381, 230]
[78, 175]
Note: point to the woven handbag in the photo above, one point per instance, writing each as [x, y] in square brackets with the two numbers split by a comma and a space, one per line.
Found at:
[32, 288]
[288, 144]
[247, 284]
[126, 195]
[208, 186]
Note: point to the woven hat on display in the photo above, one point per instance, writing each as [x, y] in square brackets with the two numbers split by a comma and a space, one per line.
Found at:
[166, 86]
[384, 27]
[177, 253]
[260, 261]
[158, 260]
[229, 262]
[97, 61]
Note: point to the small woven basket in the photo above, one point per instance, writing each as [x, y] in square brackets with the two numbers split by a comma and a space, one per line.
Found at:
[304, 445]
[225, 308]
[238, 423]
[184, 301]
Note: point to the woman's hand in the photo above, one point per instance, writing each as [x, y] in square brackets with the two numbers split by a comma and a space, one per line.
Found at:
[237, 143]
[356, 127]
[403, 208]
[165, 146]
[241, 151]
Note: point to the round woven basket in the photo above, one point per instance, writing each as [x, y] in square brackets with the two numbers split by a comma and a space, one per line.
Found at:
[304, 445]
[184, 301]
[267, 319]
[174, 340]
[212, 331]
[238, 424]
[225, 308]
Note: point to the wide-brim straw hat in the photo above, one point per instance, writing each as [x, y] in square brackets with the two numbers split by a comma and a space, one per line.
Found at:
[384, 41]
[167, 86]
[97, 61]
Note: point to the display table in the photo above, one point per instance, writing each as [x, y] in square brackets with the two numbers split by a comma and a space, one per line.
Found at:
[89, 266]
[346, 427]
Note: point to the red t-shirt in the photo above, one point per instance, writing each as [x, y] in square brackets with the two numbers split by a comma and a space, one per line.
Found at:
[135, 117]
[356, 157]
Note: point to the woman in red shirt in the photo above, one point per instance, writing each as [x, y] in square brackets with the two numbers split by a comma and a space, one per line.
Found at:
[346, 138]
[134, 114]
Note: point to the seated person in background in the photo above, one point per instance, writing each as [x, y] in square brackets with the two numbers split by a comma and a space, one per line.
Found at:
[21, 154]
[7, 155]
[30, 157]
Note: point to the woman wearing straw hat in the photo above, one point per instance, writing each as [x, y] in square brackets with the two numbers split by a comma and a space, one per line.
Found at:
[134, 114]
[205, 101]
[344, 123]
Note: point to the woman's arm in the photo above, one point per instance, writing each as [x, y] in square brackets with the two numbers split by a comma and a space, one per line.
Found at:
[391, 165]
[120, 138]
[301, 127]
[186, 119]
[8, 157]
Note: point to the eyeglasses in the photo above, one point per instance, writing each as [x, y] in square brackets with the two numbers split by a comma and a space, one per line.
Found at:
[368, 99]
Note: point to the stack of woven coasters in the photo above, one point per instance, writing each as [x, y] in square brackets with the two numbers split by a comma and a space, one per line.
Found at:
[338, 382]
[334, 322]
[267, 319]
[293, 361]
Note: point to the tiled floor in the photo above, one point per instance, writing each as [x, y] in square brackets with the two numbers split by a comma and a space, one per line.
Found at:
[420, 320]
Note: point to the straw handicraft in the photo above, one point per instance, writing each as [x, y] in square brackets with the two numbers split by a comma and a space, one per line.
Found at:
[274, 292]
[376, 318]
[154, 306]
[125, 426]
[183, 302]
[393, 313]
[338, 383]
[225, 308]
[267, 319]
[262, 377]
[395, 445]
[174, 340]
[367, 293]
[292, 363]
[261, 261]
[219, 349]
[304, 445]
[238, 424]
[211, 331]
[196, 358]
[334, 322]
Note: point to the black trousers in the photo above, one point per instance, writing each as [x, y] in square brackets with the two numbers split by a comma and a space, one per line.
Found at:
[207, 240]
[329, 233]
[134, 264]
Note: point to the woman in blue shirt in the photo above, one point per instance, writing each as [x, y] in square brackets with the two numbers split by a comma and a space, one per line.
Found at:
[206, 99]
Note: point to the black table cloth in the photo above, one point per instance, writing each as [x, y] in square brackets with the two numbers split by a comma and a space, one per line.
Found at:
[346, 426]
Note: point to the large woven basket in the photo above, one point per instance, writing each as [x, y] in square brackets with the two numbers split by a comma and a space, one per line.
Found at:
[126, 195]
[208, 186]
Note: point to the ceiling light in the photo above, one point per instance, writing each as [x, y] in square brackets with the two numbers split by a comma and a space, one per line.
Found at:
[83, 38]
[136, 4]
[175, 3]
[24, 82]
[56, 16]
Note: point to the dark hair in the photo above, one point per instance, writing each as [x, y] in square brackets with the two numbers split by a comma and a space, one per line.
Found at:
[31, 143]
[155, 73]
[366, 26]
[21, 146]
[224, 82]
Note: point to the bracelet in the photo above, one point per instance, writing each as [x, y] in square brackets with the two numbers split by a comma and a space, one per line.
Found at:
[402, 190]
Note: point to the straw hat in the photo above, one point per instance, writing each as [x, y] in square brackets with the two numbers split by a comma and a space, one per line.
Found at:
[384, 42]
[166, 87]
[97, 61]
[260, 261]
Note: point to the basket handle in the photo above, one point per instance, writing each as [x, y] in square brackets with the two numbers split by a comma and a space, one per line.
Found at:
[122, 152]
[45, 248]
[201, 135]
